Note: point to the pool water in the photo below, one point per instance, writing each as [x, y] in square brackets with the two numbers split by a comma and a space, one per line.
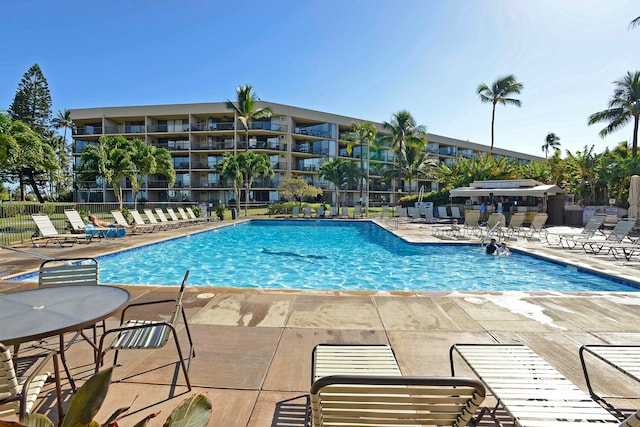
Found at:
[317, 254]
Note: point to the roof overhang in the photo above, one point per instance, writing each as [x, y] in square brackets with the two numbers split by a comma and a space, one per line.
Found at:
[535, 191]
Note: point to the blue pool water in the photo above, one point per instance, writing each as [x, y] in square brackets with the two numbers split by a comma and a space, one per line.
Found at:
[337, 255]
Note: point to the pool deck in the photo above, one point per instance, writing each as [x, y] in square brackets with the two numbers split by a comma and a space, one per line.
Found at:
[253, 347]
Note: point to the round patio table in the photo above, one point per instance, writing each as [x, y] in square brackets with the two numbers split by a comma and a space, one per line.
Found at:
[46, 312]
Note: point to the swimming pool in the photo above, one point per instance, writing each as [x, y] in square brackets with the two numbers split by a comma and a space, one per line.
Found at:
[317, 254]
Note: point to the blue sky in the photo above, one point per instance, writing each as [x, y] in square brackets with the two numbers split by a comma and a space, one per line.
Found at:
[364, 59]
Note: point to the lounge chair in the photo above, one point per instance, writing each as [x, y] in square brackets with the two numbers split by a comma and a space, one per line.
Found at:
[537, 227]
[177, 220]
[403, 216]
[471, 220]
[618, 234]
[344, 211]
[164, 220]
[194, 218]
[515, 225]
[18, 392]
[442, 213]
[625, 250]
[320, 211]
[570, 240]
[455, 213]
[414, 214]
[357, 211]
[530, 390]
[48, 233]
[361, 385]
[307, 212]
[295, 211]
[78, 225]
[192, 215]
[384, 212]
[624, 358]
[148, 334]
[139, 226]
[153, 220]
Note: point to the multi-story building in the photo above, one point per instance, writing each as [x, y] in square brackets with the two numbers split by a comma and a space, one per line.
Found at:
[296, 140]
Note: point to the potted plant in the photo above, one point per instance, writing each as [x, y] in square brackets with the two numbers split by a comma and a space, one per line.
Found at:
[220, 210]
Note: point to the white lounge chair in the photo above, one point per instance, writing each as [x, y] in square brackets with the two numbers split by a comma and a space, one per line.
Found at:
[320, 211]
[295, 211]
[164, 220]
[362, 386]
[530, 390]
[442, 212]
[192, 215]
[47, 232]
[623, 357]
[139, 226]
[619, 233]
[537, 227]
[78, 225]
[455, 213]
[570, 240]
[153, 220]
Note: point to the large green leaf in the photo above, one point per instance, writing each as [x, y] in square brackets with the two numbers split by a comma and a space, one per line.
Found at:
[193, 412]
[88, 399]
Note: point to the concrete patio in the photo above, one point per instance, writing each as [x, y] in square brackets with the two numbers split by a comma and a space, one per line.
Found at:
[253, 347]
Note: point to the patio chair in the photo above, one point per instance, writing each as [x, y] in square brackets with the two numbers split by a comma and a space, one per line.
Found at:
[530, 390]
[192, 215]
[295, 211]
[569, 240]
[537, 227]
[626, 250]
[618, 234]
[194, 218]
[471, 220]
[18, 393]
[442, 212]
[48, 233]
[362, 385]
[625, 358]
[455, 213]
[307, 212]
[182, 221]
[384, 212]
[148, 334]
[357, 211]
[320, 211]
[515, 225]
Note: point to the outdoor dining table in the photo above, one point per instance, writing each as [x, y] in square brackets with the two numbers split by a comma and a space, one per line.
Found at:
[41, 313]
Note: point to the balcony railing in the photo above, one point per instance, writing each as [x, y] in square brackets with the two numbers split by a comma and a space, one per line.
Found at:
[181, 165]
[201, 127]
[115, 130]
[167, 128]
[275, 127]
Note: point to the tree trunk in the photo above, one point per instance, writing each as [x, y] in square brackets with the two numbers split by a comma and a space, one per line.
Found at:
[634, 145]
[493, 119]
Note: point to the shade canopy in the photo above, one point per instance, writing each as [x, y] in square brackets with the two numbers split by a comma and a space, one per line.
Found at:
[535, 191]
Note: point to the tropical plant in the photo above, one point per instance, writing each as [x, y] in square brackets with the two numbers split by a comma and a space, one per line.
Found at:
[87, 401]
[403, 130]
[417, 163]
[363, 134]
[341, 173]
[32, 101]
[246, 110]
[229, 170]
[551, 141]
[463, 172]
[23, 152]
[112, 160]
[297, 188]
[582, 176]
[635, 23]
[252, 165]
[499, 93]
[624, 106]
[148, 160]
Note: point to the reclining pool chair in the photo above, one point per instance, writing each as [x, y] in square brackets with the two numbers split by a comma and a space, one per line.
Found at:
[623, 357]
[618, 234]
[47, 232]
[569, 240]
[530, 390]
[148, 334]
[361, 385]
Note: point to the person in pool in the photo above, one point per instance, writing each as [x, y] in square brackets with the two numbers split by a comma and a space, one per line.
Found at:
[503, 249]
[491, 247]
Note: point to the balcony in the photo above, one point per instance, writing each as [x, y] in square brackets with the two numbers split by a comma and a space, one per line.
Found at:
[275, 127]
[117, 130]
[88, 130]
[181, 165]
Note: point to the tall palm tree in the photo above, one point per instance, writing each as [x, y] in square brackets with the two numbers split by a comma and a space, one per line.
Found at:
[551, 141]
[252, 165]
[362, 134]
[499, 93]
[635, 23]
[246, 110]
[403, 131]
[63, 120]
[417, 163]
[623, 107]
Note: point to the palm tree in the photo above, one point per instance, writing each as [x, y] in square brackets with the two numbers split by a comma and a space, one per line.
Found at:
[229, 170]
[499, 93]
[623, 106]
[112, 160]
[246, 110]
[550, 141]
[252, 165]
[63, 120]
[635, 23]
[149, 160]
[417, 163]
[363, 134]
[341, 173]
[403, 131]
